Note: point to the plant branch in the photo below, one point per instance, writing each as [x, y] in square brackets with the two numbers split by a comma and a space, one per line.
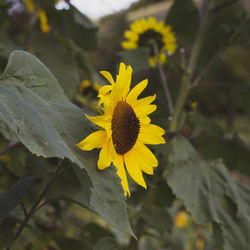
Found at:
[188, 78]
[40, 197]
[163, 77]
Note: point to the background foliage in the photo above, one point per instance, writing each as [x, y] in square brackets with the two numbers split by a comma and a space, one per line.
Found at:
[51, 194]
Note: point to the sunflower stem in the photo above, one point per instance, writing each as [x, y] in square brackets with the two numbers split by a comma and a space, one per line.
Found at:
[164, 81]
[186, 82]
[33, 209]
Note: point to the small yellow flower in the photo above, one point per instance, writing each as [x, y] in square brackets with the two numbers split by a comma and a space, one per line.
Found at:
[149, 33]
[194, 105]
[126, 128]
[200, 244]
[181, 219]
[43, 21]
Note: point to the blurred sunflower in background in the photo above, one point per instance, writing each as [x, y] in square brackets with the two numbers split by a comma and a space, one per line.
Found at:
[125, 129]
[150, 33]
[87, 94]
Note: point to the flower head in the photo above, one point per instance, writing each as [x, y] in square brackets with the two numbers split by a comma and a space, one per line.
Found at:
[125, 128]
[181, 219]
[87, 88]
[150, 33]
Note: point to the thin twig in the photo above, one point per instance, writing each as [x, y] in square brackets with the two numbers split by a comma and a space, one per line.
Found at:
[163, 79]
[206, 68]
[9, 147]
[37, 202]
[24, 209]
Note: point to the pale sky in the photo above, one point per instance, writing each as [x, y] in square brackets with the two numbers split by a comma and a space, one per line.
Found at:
[98, 8]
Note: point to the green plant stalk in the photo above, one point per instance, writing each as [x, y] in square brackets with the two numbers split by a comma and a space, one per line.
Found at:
[186, 82]
[163, 79]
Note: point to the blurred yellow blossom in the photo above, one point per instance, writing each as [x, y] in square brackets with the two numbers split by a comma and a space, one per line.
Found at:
[181, 219]
[156, 36]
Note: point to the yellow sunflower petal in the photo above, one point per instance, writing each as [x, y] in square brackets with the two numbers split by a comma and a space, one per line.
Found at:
[152, 22]
[119, 163]
[146, 154]
[98, 120]
[105, 90]
[152, 61]
[104, 160]
[130, 35]
[108, 76]
[122, 85]
[143, 164]
[163, 58]
[142, 110]
[94, 140]
[129, 45]
[144, 101]
[136, 91]
[151, 134]
[134, 171]
[144, 120]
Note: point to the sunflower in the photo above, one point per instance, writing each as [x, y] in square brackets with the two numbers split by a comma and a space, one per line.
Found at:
[87, 88]
[125, 128]
[149, 33]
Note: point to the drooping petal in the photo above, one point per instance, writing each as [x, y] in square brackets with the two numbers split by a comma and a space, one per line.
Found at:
[119, 163]
[151, 134]
[94, 140]
[146, 154]
[131, 161]
[108, 76]
[136, 91]
[104, 160]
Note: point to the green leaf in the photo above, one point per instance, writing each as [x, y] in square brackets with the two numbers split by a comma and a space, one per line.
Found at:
[183, 17]
[10, 199]
[209, 193]
[106, 244]
[58, 59]
[80, 29]
[136, 58]
[159, 218]
[34, 106]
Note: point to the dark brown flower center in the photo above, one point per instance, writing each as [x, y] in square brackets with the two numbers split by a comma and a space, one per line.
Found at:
[146, 37]
[125, 127]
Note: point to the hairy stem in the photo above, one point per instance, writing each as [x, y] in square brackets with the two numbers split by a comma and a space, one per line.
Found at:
[164, 81]
[188, 78]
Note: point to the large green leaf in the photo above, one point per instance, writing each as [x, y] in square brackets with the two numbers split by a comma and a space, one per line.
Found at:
[80, 29]
[209, 193]
[33, 105]
[10, 199]
[58, 59]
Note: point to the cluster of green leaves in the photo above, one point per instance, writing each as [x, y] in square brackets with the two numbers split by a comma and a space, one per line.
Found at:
[201, 170]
